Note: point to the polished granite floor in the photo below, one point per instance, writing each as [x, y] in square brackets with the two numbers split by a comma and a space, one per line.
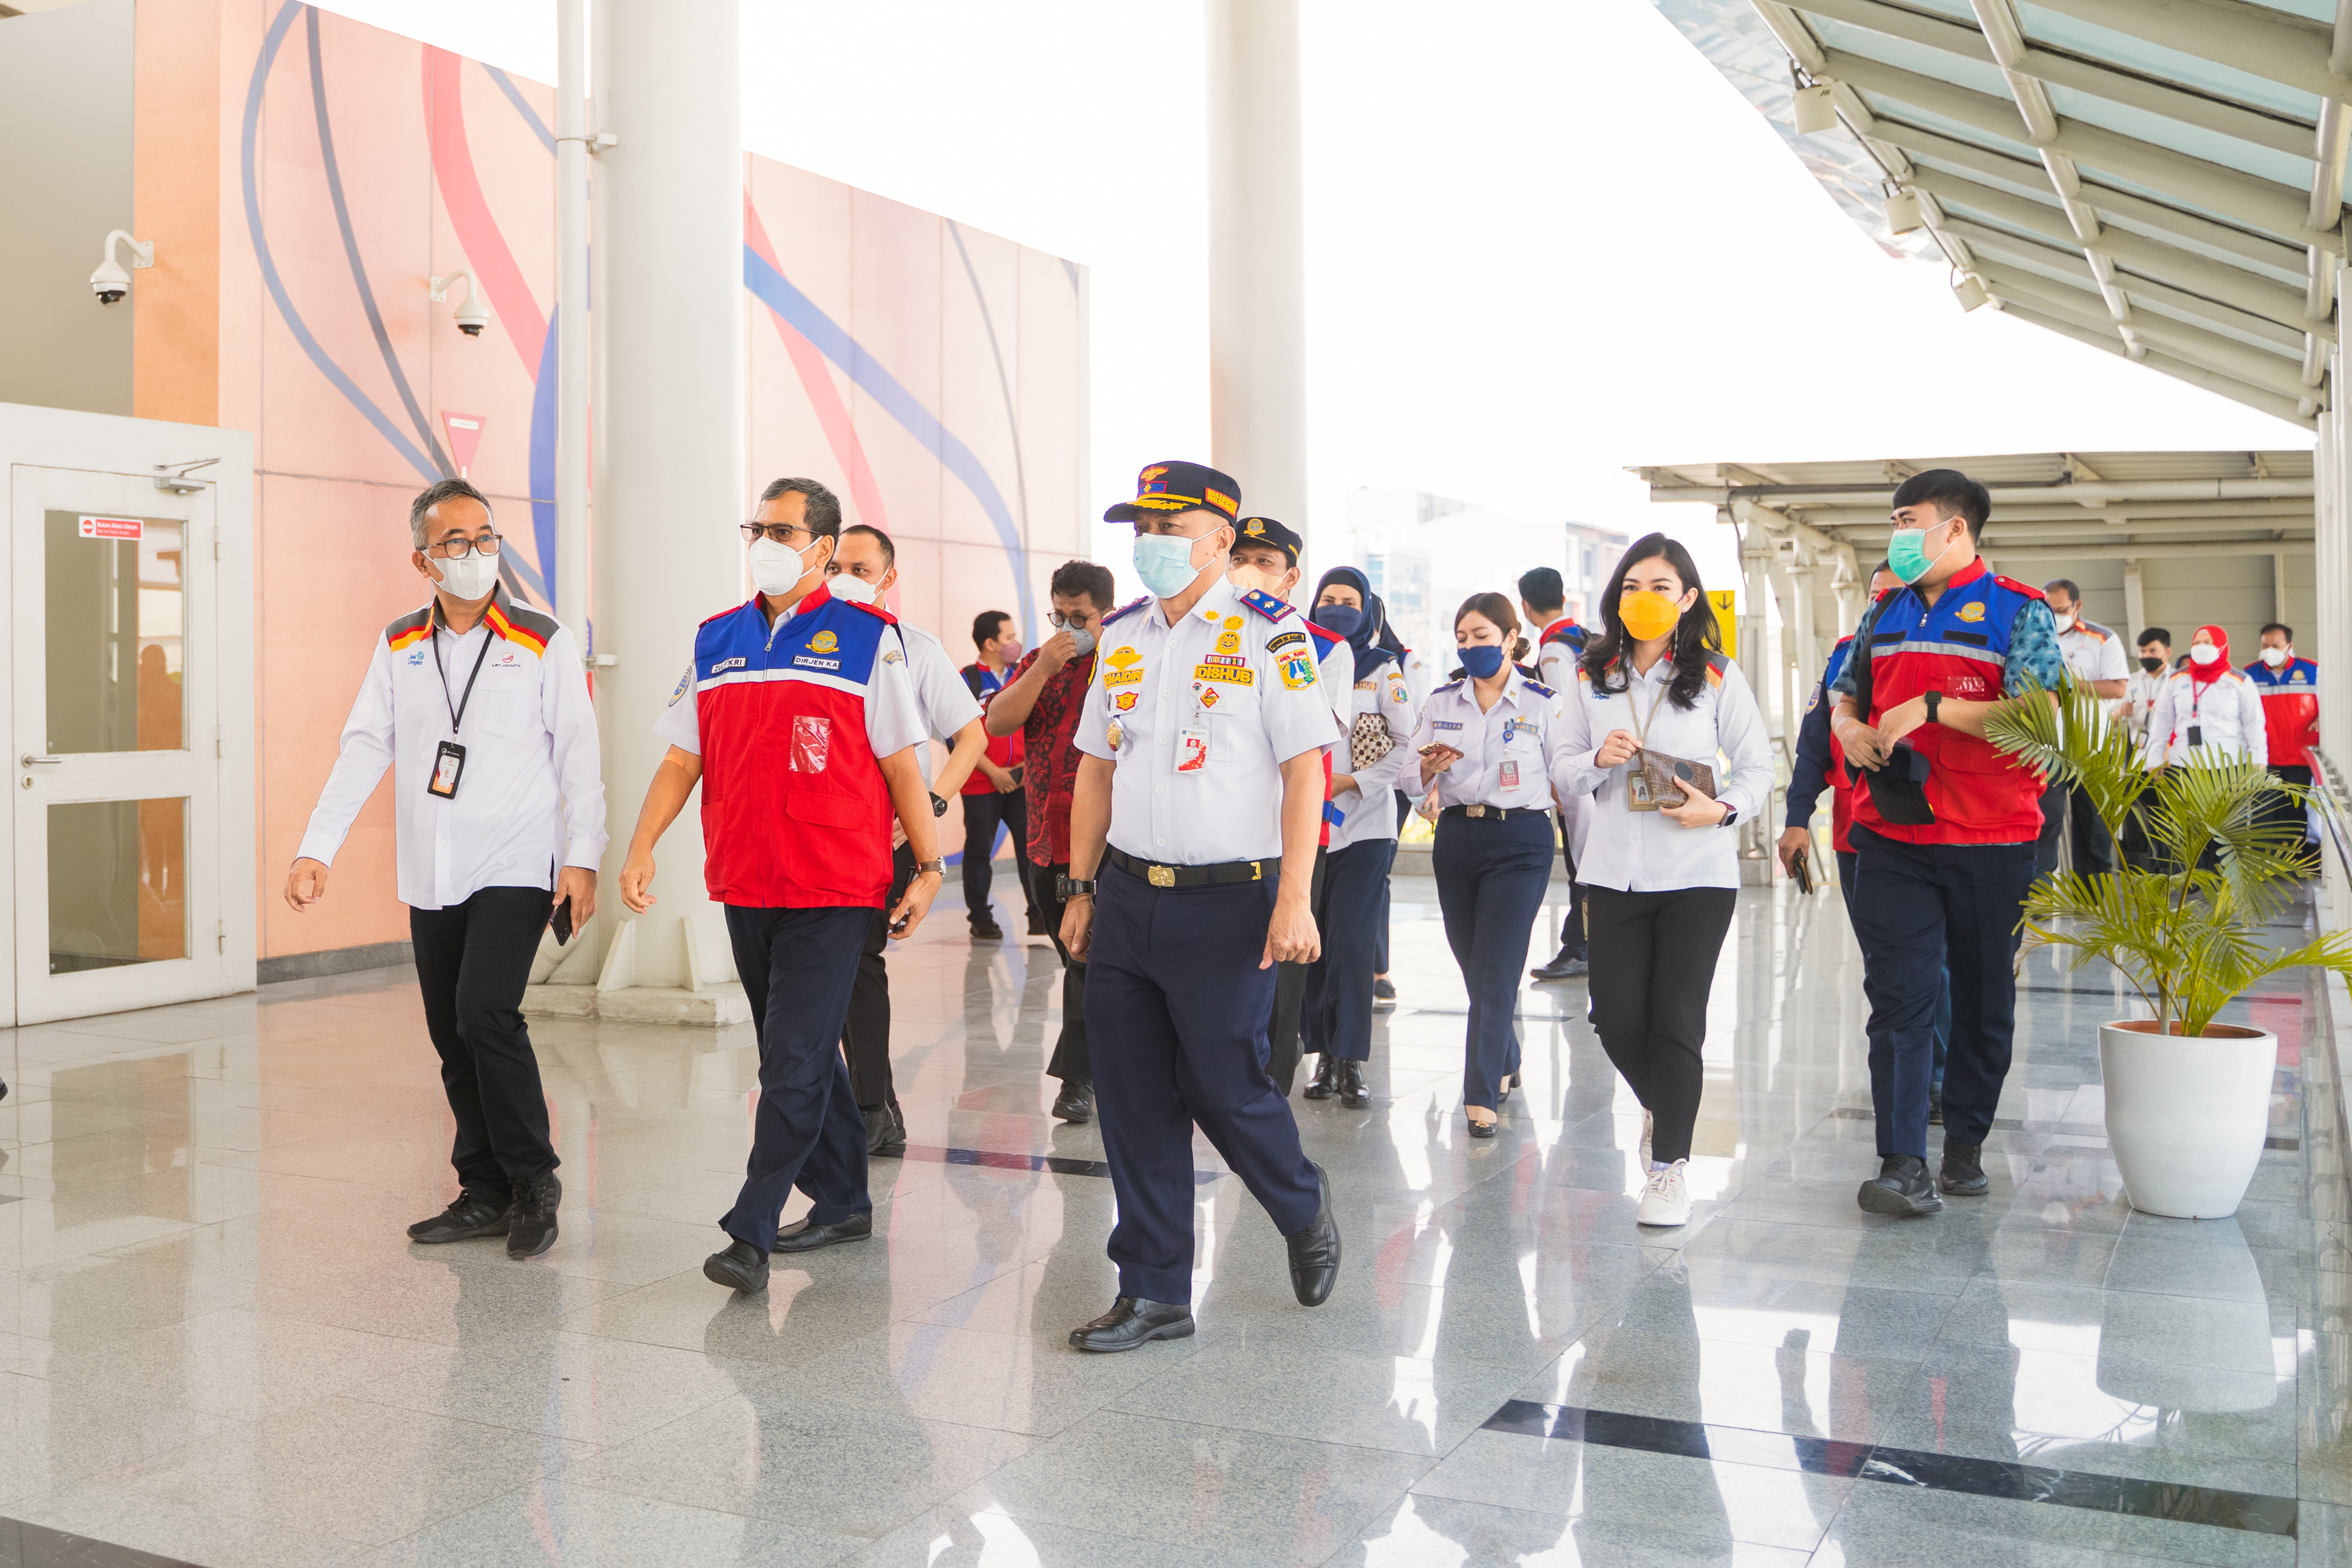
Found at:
[216, 1346]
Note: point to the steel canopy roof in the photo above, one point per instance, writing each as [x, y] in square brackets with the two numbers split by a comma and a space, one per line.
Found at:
[2162, 179]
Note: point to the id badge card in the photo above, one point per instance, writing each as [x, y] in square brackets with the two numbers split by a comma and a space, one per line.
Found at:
[1510, 776]
[1637, 791]
[447, 766]
[1192, 750]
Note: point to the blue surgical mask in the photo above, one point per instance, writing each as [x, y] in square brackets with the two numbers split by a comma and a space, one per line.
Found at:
[1341, 619]
[1906, 554]
[1165, 564]
[1484, 661]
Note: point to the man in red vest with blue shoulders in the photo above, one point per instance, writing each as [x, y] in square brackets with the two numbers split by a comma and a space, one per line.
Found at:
[1944, 829]
[2290, 691]
[799, 720]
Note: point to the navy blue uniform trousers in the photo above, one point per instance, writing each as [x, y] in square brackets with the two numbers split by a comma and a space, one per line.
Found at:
[1176, 1016]
[1919, 908]
[1491, 877]
[797, 967]
[1337, 1020]
[1849, 867]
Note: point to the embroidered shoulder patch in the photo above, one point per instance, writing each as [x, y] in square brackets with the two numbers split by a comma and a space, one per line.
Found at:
[1281, 640]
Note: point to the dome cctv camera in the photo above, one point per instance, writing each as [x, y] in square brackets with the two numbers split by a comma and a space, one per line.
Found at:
[110, 282]
[471, 315]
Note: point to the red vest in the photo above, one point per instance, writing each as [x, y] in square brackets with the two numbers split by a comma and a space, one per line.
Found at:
[1959, 647]
[2290, 709]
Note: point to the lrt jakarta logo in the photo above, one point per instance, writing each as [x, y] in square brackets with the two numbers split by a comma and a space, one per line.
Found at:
[823, 642]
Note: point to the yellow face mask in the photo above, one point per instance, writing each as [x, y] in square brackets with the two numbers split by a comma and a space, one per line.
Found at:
[1648, 617]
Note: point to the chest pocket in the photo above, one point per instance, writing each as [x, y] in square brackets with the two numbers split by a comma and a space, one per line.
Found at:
[508, 715]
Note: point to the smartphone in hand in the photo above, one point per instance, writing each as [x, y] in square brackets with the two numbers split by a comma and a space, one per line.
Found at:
[562, 922]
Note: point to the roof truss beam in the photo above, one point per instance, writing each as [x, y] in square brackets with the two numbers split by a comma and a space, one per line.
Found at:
[2255, 39]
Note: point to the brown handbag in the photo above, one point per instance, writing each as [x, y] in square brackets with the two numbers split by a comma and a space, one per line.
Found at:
[1658, 778]
[1368, 741]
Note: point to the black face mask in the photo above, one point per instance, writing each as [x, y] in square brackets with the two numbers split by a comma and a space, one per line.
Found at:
[2151, 665]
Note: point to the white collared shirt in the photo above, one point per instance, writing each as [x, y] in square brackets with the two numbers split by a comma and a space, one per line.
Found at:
[531, 794]
[1371, 807]
[1509, 752]
[1648, 851]
[1214, 706]
[947, 703]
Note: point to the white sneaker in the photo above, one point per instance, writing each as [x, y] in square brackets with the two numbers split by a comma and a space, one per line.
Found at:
[1666, 1201]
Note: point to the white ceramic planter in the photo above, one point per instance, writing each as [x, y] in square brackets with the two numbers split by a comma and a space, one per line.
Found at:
[2187, 1117]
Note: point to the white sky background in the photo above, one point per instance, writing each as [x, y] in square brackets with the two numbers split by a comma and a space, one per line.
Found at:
[1544, 242]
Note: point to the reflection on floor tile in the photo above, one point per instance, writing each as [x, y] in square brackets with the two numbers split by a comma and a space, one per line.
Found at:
[218, 1347]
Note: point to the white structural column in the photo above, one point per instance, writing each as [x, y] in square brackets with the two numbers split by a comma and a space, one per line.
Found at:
[670, 486]
[571, 317]
[1257, 257]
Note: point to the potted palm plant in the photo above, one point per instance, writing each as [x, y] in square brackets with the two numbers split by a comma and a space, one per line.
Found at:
[2187, 1099]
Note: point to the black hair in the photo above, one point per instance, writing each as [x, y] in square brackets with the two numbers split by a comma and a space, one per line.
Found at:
[2279, 626]
[2073, 590]
[1606, 653]
[822, 515]
[2154, 634]
[889, 550]
[1540, 588]
[1884, 565]
[1951, 492]
[434, 495]
[1085, 580]
[988, 624]
[1498, 609]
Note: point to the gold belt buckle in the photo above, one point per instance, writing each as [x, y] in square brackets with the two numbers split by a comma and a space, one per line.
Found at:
[1475, 810]
[1162, 876]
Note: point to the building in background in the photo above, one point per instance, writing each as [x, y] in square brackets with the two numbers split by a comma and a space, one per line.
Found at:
[1426, 553]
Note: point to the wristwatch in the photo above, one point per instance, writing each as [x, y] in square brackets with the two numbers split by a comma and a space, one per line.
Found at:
[938, 806]
[1933, 700]
[1068, 887]
[931, 868]
[1730, 815]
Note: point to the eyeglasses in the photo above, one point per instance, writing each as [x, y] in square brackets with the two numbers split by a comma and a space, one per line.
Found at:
[459, 549]
[1063, 623]
[783, 533]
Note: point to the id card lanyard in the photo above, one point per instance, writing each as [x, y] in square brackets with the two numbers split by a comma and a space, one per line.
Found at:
[1637, 782]
[449, 763]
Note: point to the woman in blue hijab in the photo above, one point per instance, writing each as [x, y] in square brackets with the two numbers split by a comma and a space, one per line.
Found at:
[1366, 768]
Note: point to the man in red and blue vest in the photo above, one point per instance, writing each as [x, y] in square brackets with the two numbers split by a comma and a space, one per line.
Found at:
[2290, 691]
[799, 720]
[1944, 829]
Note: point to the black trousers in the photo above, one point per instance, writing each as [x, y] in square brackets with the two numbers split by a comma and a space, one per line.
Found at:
[2278, 808]
[1652, 964]
[1070, 1063]
[473, 960]
[865, 1038]
[981, 813]
[1571, 925]
[1337, 1020]
[797, 968]
[1491, 877]
[1290, 995]
[1381, 942]
[2071, 811]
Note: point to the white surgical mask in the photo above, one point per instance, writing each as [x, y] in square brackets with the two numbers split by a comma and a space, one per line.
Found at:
[471, 576]
[2275, 657]
[775, 568]
[2204, 653]
[2065, 620]
[850, 590]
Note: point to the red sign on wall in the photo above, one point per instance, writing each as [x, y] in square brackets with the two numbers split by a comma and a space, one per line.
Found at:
[113, 527]
[465, 433]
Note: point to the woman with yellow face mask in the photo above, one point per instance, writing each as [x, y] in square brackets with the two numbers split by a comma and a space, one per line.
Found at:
[1665, 736]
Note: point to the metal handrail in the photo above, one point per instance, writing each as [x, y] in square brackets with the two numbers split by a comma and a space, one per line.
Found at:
[2334, 805]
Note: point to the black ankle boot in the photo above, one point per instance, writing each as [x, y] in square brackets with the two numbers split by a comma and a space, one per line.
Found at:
[1326, 1082]
[1353, 1095]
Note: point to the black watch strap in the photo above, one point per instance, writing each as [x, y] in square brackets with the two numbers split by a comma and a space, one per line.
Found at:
[1934, 701]
[1068, 887]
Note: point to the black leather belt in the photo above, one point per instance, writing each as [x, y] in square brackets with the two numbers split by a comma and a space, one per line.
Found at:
[1496, 813]
[1195, 876]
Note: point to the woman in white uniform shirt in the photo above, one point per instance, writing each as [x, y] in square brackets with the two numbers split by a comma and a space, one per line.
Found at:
[1491, 743]
[1660, 880]
[2209, 710]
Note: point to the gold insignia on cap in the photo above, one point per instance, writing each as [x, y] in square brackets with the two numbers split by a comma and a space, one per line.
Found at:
[1256, 526]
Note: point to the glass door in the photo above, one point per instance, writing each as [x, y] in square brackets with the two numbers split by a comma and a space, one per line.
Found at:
[115, 745]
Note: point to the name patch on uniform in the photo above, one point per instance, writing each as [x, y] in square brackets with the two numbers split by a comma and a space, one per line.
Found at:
[1299, 671]
[729, 664]
[1225, 672]
[1367, 686]
[1287, 639]
[1973, 611]
[1445, 724]
[1230, 660]
[803, 661]
[1122, 677]
[1513, 728]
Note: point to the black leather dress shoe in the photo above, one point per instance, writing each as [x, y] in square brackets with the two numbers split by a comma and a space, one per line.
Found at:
[1901, 1188]
[1483, 1129]
[1565, 966]
[992, 932]
[1133, 1321]
[1963, 1174]
[474, 1213]
[742, 1267]
[1325, 1081]
[531, 1229]
[807, 1237]
[1353, 1095]
[886, 1131]
[1315, 1251]
[1075, 1102]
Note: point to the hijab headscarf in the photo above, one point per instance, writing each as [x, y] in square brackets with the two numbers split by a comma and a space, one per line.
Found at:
[2206, 674]
[1370, 651]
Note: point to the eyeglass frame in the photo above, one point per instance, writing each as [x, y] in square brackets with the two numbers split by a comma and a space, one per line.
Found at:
[755, 532]
[438, 549]
[1062, 622]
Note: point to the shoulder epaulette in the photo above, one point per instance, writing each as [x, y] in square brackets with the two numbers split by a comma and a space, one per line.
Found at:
[1127, 609]
[2102, 633]
[1539, 687]
[1449, 686]
[521, 623]
[1266, 604]
[1717, 666]
[410, 630]
[2011, 584]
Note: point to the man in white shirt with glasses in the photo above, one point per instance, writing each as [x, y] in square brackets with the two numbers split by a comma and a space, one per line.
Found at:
[479, 706]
